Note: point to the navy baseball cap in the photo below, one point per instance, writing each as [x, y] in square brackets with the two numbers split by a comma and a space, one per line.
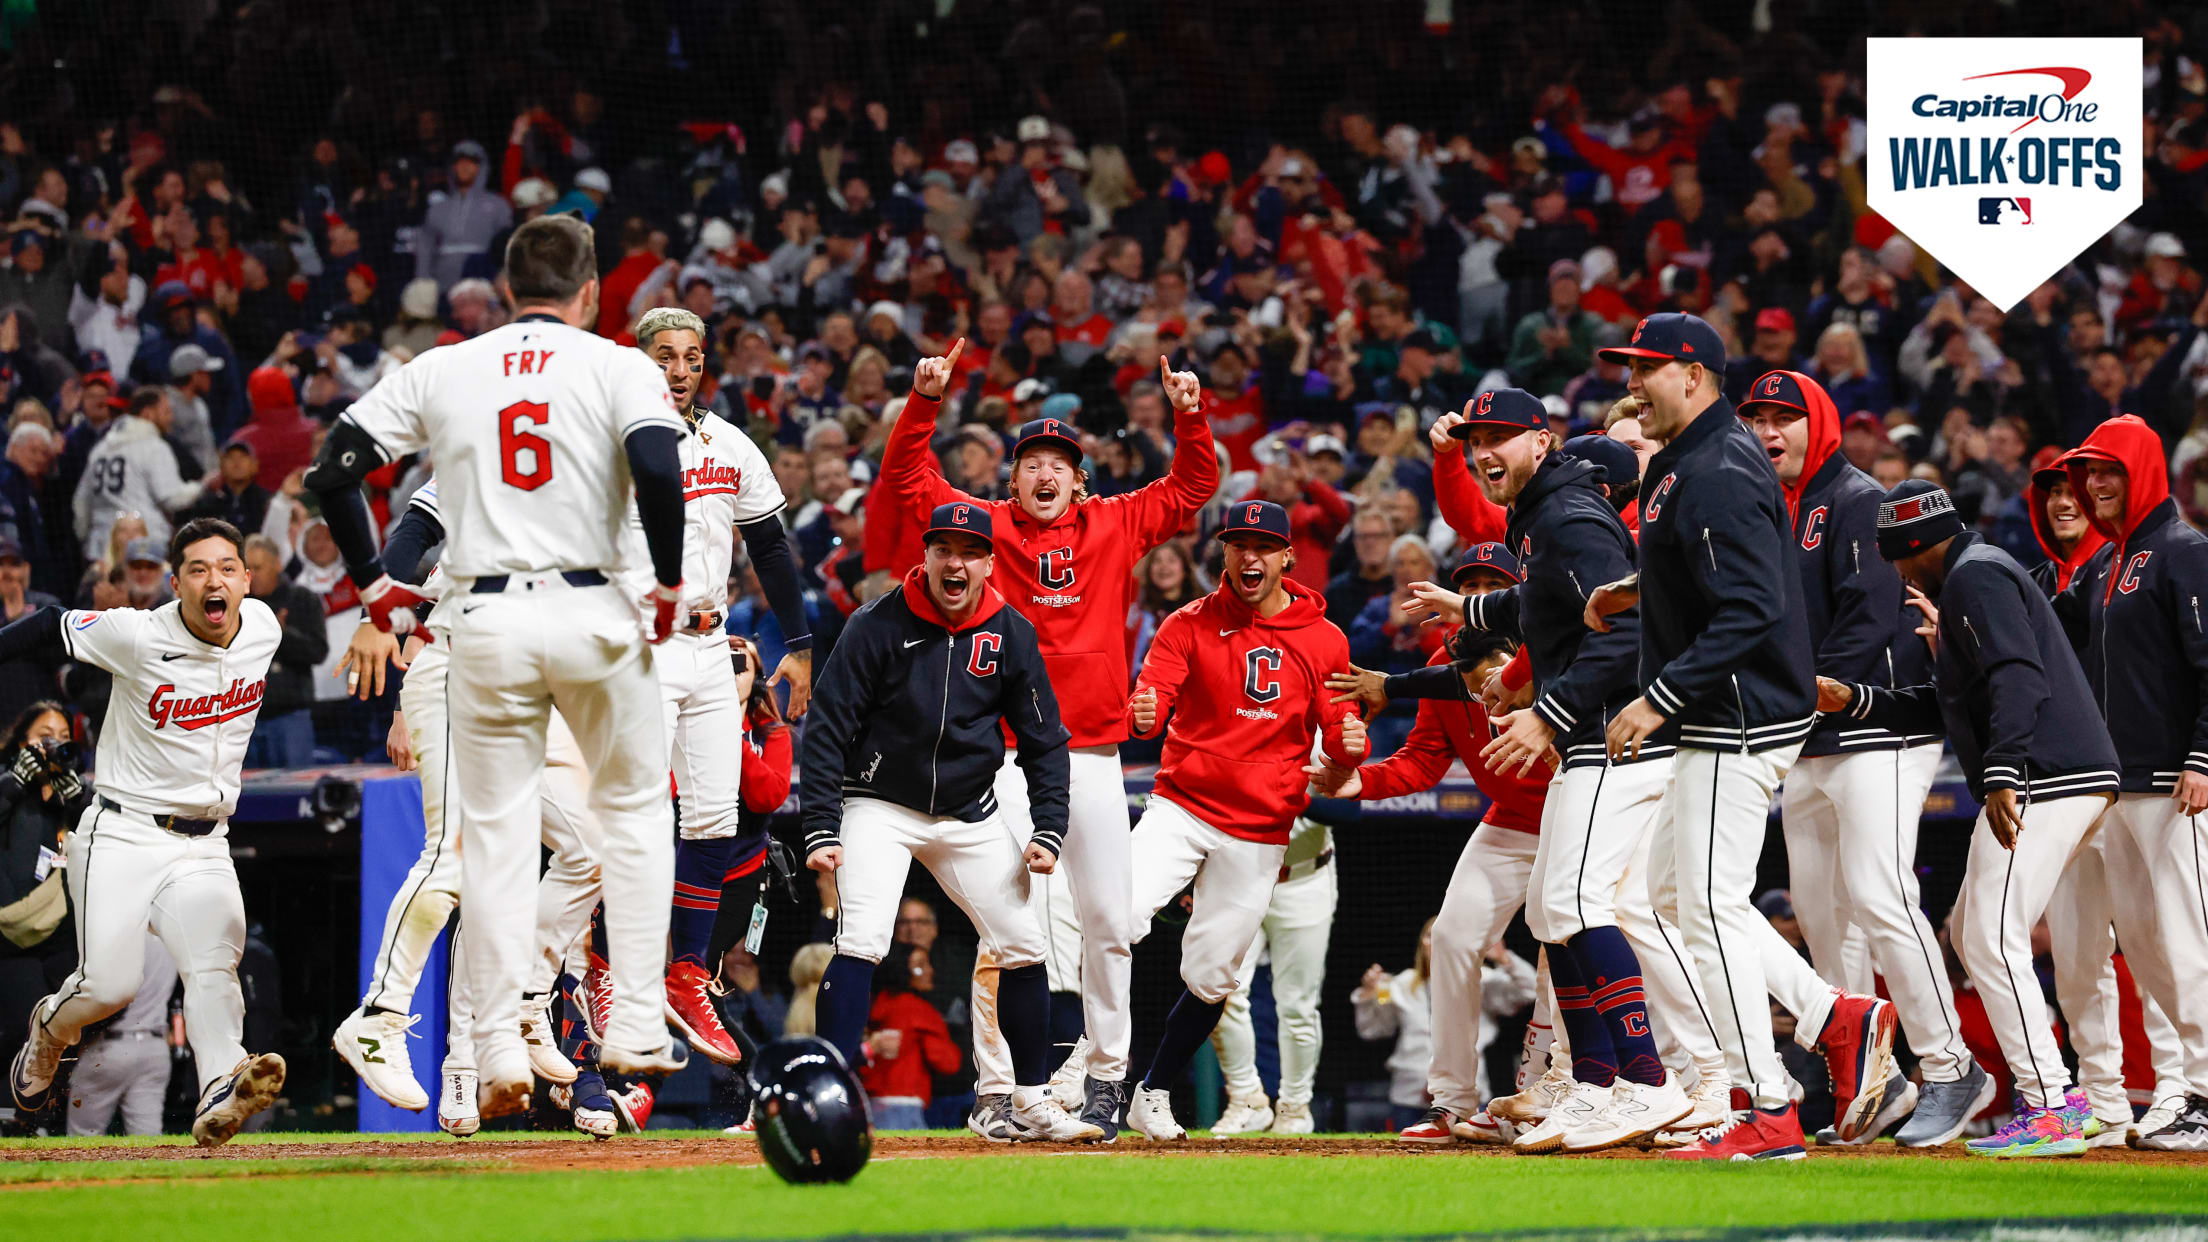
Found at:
[1494, 556]
[1914, 516]
[1259, 516]
[1618, 463]
[1776, 388]
[960, 517]
[1503, 407]
[1674, 337]
[1048, 433]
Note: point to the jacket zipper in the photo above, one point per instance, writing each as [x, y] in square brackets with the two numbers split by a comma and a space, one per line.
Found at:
[1709, 547]
[942, 725]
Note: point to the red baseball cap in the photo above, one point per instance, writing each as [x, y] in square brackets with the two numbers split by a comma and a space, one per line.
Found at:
[1774, 319]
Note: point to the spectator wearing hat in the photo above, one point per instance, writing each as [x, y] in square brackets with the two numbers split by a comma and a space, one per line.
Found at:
[283, 735]
[279, 434]
[2164, 287]
[33, 367]
[1316, 513]
[1036, 195]
[133, 470]
[1639, 171]
[192, 370]
[805, 397]
[1551, 346]
[1588, 399]
[462, 226]
[845, 565]
[236, 496]
[103, 314]
[173, 323]
[1862, 439]
[414, 332]
[1549, 231]
[1416, 382]
[2095, 388]
[1771, 349]
[586, 196]
[39, 276]
[146, 573]
[883, 330]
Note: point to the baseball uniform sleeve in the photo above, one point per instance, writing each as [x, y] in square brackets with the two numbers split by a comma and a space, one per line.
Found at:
[1903, 709]
[107, 639]
[1988, 618]
[1420, 762]
[1496, 612]
[840, 701]
[1737, 571]
[1164, 668]
[757, 494]
[1593, 553]
[391, 412]
[636, 392]
[1157, 511]
[906, 460]
[1428, 682]
[1031, 711]
[1865, 591]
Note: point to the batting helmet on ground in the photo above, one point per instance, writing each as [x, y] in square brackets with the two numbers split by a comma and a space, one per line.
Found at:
[812, 1115]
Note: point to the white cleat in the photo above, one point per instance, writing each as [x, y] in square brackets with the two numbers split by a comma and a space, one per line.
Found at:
[374, 1045]
[1531, 1106]
[1068, 1083]
[1712, 1099]
[1243, 1117]
[667, 1060]
[1292, 1119]
[544, 1048]
[2165, 1110]
[1150, 1114]
[456, 1110]
[1635, 1111]
[1044, 1120]
[1483, 1127]
[1577, 1110]
[229, 1103]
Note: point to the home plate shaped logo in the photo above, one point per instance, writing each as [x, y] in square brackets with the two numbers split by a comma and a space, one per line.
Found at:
[2004, 158]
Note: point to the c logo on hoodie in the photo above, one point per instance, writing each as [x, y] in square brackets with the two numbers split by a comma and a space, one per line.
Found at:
[1054, 569]
[1653, 507]
[2132, 569]
[1813, 529]
[983, 660]
[1261, 674]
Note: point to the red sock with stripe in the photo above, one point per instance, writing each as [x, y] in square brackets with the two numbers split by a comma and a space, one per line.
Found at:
[1593, 1061]
[1612, 975]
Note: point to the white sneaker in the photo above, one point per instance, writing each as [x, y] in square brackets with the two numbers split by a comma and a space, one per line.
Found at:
[667, 1060]
[1532, 1105]
[1291, 1119]
[1150, 1114]
[1042, 1119]
[1068, 1084]
[374, 1045]
[991, 1117]
[2165, 1110]
[1243, 1117]
[1578, 1109]
[456, 1113]
[1483, 1127]
[544, 1048]
[1712, 1099]
[228, 1103]
[1635, 1110]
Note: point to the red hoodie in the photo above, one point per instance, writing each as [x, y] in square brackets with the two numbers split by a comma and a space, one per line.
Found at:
[1824, 436]
[926, 1050]
[281, 435]
[2129, 442]
[2036, 497]
[1239, 696]
[1075, 577]
[1448, 729]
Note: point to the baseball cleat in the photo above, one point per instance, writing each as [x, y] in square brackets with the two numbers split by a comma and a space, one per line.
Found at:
[231, 1101]
[36, 1062]
[1944, 1109]
[1066, 1083]
[545, 1058]
[1484, 1127]
[1900, 1103]
[690, 1010]
[1437, 1127]
[1532, 1105]
[1578, 1109]
[456, 1111]
[667, 1060]
[1634, 1111]
[2188, 1132]
[747, 1128]
[992, 1117]
[1105, 1104]
[2031, 1133]
[597, 997]
[1243, 1117]
[1748, 1133]
[374, 1045]
[1150, 1114]
[2167, 1107]
[588, 1105]
[501, 1097]
[1042, 1119]
[1858, 1047]
[1293, 1119]
[635, 1106]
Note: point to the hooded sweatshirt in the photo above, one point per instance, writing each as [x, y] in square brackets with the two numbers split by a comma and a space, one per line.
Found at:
[2054, 575]
[1239, 696]
[460, 227]
[1859, 626]
[282, 437]
[1459, 729]
[2145, 648]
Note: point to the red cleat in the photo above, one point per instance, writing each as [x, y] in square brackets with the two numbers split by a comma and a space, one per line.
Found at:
[597, 997]
[690, 1010]
[1858, 1045]
[1749, 1134]
[634, 1106]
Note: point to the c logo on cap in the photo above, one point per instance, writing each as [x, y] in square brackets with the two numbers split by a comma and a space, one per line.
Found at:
[1638, 328]
[1251, 516]
[958, 515]
[1486, 553]
[1484, 404]
[1771, 386]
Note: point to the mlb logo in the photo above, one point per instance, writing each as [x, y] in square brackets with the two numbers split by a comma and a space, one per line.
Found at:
[2004, 211]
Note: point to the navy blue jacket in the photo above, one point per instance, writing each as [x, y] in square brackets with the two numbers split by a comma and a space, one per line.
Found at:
[911, 710]
[2144, 648]
[1724, 641]
[2006, 685]
[1569, 541]
[1862, 631]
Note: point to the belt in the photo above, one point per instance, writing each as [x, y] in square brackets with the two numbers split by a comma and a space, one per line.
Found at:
[182, 825]
[1296, 871]
[703, 621]
[492, 584]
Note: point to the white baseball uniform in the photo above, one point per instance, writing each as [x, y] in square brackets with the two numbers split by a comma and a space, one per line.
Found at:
[526, 423]
[178, 720]
[1299, 922]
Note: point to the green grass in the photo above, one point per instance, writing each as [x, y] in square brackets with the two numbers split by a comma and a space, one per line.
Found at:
[1301, 1196]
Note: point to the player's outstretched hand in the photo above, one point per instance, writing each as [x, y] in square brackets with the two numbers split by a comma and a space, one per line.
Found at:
[1329, 781]
[400, 744]
[1630, 727]
[795, 671]
[1610, 600]
[365, 658]
[1834, 696]
[1142, 710]
[825, 859]
[1182, 388]
[1039, 858]
[390, 604]
[1499, 699]
[1524, 739]
[931, 377]
[1353, 737]
[1361, 686]
[1434, 603]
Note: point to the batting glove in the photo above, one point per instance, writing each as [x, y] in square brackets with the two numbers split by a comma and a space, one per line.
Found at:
[390, 604]
[666, 601]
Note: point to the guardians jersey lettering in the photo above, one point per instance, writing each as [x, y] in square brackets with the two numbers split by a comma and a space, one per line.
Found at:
[167, 707]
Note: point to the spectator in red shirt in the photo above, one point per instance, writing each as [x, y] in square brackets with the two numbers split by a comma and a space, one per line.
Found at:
[620, 285]
[1072, 305]
[907, 1043]
[278, 432]
[1237, 410]
[1640, 172]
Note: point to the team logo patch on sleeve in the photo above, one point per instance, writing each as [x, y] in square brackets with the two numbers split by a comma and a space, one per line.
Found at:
[85, 621]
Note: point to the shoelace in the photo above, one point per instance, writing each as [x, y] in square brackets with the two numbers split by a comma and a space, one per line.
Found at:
[1717, 1133]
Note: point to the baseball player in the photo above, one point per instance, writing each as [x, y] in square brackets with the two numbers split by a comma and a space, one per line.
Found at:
[899, 763]
[2145, 654]
[2003, 671]
[1852, 801]
[536, 496]
[1237, 680]
[154, 848]
[1489, 883]
[1725, 667]
[1066, 561]
[1299, 923]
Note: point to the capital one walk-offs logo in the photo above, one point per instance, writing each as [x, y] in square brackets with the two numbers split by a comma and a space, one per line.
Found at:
[2003, 158]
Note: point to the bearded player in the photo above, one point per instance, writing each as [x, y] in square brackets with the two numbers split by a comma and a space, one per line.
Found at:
[1065, 561]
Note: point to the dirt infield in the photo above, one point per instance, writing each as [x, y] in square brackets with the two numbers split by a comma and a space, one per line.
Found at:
[636, 1153]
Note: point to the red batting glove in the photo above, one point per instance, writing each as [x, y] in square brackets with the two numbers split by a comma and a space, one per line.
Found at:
[666, 600]
[390, 604]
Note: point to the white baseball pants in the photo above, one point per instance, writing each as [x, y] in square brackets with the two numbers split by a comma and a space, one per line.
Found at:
[1234, 887]
[1685, 1036]
[569, 889]
[979, 865]
[2157, 864]
[2082, 936]
[426, 899]
[1087, 908]
[126, 1073]
[516, 654]
[705, 729]
[1592, 824]
[1851, 849]
[1488, 886]
[2005, 891]
[126, 873]
[1298, 924]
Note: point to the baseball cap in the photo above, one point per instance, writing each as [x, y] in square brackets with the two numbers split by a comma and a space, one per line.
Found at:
[937, 177]
[191, 360]
[1030, 389]
[1033, 129]
[1674, 337]
[594, 179]
[848, 503]
[961, 151]
[2165, 246]
[1774, 319]
[534, 192]
[1914, 516]
[1564, 269]
[1261, 517]
[1617, 462]
[469, 149]
[1775, 903]
[1047, 432]
[239, 444]
[173, 293]
[960, 518]
[2048, 468]
[10, 550]
[1503, 407]
[1863, 420]
[1421, 339]
[1325, 444]
[1779, 388]
[144, 550]
[1061, 405]
[1493, 556]
[103, 378]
